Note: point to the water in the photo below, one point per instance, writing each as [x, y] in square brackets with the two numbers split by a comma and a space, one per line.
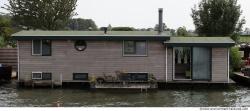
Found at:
[236, 96]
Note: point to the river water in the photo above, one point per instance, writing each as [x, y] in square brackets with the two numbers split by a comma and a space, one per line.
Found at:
[235, 96]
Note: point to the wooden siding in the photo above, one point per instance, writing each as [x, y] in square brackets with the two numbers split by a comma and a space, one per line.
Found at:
[8, 56]
[219, 64]
[99, 57]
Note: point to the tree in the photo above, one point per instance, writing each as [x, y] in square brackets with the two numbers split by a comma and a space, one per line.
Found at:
[42, 14]
[5, 32]
[182, 31]
[217, 17]
[82, 24]
[164, 27]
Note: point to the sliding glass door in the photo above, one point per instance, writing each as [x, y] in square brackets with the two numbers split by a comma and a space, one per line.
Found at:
[201, 63]
[192, 63]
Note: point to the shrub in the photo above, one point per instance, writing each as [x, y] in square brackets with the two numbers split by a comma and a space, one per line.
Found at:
[235, 59]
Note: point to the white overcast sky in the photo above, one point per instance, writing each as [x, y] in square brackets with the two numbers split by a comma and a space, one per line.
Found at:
[142, 13]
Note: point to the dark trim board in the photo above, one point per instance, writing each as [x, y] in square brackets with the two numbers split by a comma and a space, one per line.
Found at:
[90, 37]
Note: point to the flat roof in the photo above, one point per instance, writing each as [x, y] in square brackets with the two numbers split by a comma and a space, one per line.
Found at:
[200, 41]
[91, 35]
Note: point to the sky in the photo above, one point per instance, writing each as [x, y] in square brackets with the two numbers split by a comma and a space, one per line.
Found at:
[142, 13]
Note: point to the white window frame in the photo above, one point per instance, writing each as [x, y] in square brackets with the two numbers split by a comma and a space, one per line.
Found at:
[40, 48]
[37, 78]
[134, 55]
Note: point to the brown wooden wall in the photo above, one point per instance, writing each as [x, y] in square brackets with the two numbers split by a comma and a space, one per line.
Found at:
[8, 56]
[99, 57]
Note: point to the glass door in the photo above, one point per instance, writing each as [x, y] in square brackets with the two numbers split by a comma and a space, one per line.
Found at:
[201, 63]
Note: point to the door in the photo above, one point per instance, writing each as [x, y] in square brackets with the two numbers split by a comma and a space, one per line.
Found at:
[201, 63]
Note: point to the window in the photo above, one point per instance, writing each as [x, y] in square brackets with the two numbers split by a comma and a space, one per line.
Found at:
[80, 76]
[80, 45]
[36, 75]
[41, 76]
[41, 47]
[139, 76]
[46, 76]
[138, 48]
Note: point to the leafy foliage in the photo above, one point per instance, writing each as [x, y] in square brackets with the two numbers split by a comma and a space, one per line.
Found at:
[5, 32]
[42, 14]
[82, 24]
[217, 17]
[182, 31]
[235, 59]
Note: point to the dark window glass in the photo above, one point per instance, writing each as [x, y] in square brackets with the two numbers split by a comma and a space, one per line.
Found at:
[46, 76]
[36, 47]
[141, 48]
[36, 75]
[80, 45]
[46, 47]
[80, 76]
[129, 47]
[139, 76]
[135, 48]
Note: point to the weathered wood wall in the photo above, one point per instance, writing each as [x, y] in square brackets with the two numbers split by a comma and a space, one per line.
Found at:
[99, 57]
[8, 56]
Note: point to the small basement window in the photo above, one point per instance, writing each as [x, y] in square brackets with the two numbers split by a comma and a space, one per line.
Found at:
[135, 48]
[41, 76]
[80, 76]
[41, 47]
[36, 75]
[139, 76]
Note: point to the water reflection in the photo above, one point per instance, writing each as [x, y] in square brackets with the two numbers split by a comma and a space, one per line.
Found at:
[236, 96]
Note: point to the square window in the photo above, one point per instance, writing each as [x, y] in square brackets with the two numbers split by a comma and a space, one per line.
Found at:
[137, 48]
[46, 76]
[41, 47]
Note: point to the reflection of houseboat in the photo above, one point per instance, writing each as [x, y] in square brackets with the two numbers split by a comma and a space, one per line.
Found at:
[76, 56]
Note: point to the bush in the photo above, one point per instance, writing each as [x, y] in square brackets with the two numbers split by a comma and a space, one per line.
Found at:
[235, 59]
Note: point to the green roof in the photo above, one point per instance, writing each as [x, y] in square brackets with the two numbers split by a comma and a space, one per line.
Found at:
[91, 35]
[88, 33]
[245, 39]
[200, 41]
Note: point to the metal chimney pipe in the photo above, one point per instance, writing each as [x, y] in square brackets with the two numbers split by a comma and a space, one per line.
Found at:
[160, 25]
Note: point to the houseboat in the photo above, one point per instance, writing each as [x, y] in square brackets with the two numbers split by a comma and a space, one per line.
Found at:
[76, 56]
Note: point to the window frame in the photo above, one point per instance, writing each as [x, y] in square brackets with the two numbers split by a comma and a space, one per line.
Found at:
[32, 77]
[33, 48]
[41, 48]
[135, 55]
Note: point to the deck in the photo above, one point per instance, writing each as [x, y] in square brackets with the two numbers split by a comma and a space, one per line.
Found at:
[241, 79]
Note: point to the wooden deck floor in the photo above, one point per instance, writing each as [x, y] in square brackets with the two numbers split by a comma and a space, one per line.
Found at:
[125, 86]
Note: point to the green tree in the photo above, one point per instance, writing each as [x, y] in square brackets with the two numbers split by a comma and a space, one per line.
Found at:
[182, 31]
[235, 59]
[42, 14]
[164, 27]
[217, 17]
[82, 24]
[5, 33]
